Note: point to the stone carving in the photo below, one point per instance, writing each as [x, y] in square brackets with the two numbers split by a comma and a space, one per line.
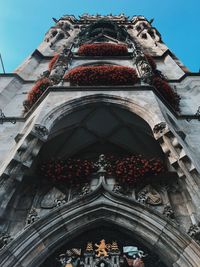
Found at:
[142, 64]
[101, 249]
[45, 74]
[55, 35]
[142, 197]
[61, 65]
[168, 212]
[57, 73]
[64, 25]
[118, 189]
[41, 130]
[60, 202]
[159, 128]
[51, 197]
[194, 232]
[32, 217]
[71, 258]
[148, 195]
[5, 238]
[85, 190]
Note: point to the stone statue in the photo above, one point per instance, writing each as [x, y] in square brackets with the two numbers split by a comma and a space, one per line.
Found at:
[57, 73]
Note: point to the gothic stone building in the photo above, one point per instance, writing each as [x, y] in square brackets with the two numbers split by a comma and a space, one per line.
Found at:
[100, 150]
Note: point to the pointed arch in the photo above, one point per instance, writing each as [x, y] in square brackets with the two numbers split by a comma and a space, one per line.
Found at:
[32, 246]
[143, 111]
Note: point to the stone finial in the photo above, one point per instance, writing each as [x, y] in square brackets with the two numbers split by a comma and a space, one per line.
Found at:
[102, 164]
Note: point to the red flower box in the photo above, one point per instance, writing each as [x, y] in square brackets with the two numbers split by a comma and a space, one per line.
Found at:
[167, 92]
[136, 169]
[131, 170]
[162, 85]
[102, 49]
[37, 90]
[151, 61]
[102, 75]
[71, 171]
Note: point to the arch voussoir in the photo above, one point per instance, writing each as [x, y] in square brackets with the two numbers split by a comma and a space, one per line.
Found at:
[63, 224]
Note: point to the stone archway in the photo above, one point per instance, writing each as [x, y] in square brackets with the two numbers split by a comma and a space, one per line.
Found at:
[160, 230]
[38, 241]
[151, 116]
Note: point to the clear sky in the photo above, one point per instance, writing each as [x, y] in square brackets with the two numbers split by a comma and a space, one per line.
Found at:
[24, 23]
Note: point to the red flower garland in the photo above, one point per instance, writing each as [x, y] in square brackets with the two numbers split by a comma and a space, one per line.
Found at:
[166, 91]
[102, 75]
[130, 170]
[53, 61]
[37, 90]
[71, 171]
[102, 49]
[137, 169]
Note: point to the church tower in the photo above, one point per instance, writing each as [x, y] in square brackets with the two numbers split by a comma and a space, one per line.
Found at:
[99, 150]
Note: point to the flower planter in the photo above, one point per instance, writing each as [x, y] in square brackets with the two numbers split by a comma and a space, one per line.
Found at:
[162, 86]
[134, 170]
[131, 170]
[151, 62]
[102, 75]
[71, 171]
[167, 92]
[102, 49]
[37, 90]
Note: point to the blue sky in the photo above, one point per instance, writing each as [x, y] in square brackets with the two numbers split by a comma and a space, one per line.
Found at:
[24, 23]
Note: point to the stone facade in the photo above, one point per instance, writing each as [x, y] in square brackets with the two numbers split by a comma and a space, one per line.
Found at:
[39, 216]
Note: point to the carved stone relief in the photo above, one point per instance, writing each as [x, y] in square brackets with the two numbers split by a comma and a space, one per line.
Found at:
[148, 195]
[49, 199]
